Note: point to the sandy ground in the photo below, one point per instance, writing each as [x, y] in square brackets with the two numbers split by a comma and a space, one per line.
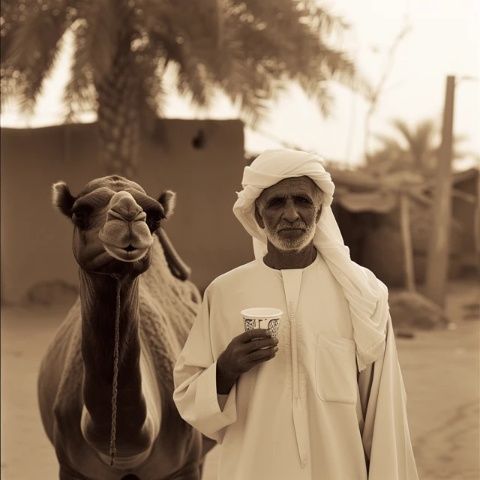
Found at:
[441, 372]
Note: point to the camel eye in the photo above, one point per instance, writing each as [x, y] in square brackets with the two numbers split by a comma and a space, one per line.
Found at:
[81, 216]
[154, 216]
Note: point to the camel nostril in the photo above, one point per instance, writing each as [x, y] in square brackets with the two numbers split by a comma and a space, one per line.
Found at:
[124, 205]
[129, 215]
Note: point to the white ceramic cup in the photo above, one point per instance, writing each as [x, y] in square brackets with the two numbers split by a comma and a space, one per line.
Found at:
[262, 317]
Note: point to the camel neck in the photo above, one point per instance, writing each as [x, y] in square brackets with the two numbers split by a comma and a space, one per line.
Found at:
[98, 296]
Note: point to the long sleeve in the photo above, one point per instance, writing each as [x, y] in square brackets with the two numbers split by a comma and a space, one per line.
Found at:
[386, 436]
[195, 381]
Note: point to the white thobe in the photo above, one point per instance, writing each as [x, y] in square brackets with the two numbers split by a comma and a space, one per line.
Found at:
[307, 413]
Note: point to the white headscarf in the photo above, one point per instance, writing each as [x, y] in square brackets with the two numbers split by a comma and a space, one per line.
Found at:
[366, 295]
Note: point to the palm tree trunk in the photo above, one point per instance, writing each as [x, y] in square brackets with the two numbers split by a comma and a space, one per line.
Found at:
[118, 113]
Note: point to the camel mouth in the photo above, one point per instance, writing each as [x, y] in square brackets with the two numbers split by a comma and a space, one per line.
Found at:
[126, 254]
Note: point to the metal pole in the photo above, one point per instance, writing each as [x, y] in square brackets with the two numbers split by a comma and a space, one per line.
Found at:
[438, 253]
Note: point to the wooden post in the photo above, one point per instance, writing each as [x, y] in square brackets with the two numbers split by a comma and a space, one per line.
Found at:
[407, 242]
[438, 252]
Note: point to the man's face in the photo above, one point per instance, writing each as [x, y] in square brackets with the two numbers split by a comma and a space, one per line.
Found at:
[289, 212]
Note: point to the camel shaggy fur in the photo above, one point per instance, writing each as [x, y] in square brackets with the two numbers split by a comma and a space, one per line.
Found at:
[127, 290]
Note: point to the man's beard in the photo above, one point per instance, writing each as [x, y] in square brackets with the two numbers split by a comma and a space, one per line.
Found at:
[294, 244]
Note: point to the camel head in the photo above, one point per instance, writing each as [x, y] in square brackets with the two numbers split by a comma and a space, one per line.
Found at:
[114, 223]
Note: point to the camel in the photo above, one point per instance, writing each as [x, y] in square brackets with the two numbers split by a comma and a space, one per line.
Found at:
[105, 384]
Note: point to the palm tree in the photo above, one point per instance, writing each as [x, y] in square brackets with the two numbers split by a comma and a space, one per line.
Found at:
[249, 49]
[412, 148]
[404, 166]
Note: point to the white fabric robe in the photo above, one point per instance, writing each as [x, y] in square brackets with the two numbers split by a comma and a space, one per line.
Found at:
[304, 416]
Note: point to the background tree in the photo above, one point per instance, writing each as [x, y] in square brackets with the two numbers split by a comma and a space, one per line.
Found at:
[410, 148]
[249, 49]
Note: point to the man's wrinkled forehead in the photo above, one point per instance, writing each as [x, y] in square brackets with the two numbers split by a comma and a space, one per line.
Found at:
[292, 186]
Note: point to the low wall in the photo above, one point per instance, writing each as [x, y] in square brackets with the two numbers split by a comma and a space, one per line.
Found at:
[36, 239]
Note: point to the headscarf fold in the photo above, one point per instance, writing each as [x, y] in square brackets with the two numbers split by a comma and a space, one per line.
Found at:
[367, 296]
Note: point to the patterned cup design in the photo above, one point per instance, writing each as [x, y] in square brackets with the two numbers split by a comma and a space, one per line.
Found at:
[273, 327]
[266, 318]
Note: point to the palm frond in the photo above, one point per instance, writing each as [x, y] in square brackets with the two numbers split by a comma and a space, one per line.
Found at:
[251, 49]
[79, 93]
[97, 28]
[32, 48]
[259, 58]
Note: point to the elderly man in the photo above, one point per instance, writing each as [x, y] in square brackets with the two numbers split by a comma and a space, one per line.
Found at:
[324, 402]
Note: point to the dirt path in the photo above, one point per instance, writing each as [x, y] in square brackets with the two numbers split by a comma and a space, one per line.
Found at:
[442, 376]
[26, 451]
[441, 371]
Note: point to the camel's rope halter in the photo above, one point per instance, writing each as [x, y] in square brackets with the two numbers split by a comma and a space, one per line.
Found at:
[116, 355]
[179, 270]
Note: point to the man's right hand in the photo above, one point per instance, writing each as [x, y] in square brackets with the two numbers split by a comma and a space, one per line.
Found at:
[243, 353]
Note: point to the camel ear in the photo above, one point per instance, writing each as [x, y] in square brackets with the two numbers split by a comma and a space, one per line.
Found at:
[168, 200]
[62, 198]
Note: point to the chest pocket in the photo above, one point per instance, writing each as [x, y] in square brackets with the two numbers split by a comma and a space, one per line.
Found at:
[336, 370]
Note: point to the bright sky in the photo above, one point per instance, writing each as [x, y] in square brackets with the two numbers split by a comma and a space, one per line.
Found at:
[444, 40]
